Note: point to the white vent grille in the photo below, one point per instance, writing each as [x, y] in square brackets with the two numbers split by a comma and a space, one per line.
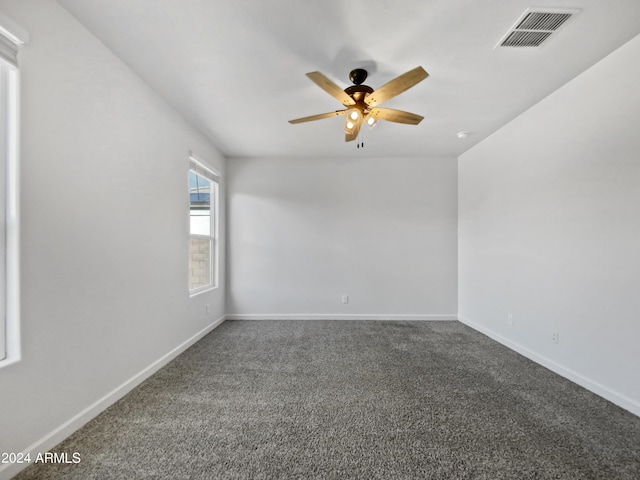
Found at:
[519, 38]
[535, 26]
[542, 21]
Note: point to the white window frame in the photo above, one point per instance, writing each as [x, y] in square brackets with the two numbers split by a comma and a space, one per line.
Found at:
[205, 170]
[11, 37]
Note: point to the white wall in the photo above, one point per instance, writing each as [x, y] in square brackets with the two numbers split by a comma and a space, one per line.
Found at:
[306, 231]
[549, 229]
[104, 230]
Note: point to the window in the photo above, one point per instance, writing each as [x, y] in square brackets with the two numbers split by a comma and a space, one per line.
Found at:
[9, 284]
[203, 227]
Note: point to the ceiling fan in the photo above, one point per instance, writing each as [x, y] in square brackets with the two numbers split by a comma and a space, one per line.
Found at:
[361, 101]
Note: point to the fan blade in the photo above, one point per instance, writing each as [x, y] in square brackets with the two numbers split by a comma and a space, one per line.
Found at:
[331, 88]
[397, 116]
[318, 117]
[353, 134]
[396, 86]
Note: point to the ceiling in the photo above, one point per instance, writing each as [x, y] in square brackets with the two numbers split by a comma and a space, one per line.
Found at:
[235, 69]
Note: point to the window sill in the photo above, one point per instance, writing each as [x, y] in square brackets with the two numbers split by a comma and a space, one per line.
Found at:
[195, 293]
[8, 361]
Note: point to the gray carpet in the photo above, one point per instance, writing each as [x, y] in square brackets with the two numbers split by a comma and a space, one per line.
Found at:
[353, 399]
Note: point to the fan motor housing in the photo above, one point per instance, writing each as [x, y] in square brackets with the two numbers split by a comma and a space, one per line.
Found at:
[358, 92]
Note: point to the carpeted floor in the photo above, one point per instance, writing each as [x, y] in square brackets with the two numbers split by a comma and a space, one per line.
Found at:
[353, 399]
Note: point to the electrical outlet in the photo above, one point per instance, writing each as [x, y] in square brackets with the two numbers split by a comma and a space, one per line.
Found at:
[345, 299]
[510, 319]
[555, 337]
[208, 309]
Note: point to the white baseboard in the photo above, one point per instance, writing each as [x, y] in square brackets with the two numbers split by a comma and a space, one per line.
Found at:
[621, 400]
[336, 316]
[67, 428]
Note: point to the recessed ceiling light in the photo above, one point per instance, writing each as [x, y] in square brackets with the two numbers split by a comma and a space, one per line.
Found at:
[462, 134]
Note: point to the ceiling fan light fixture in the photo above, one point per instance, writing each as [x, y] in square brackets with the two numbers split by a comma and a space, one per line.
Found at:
[361, 101]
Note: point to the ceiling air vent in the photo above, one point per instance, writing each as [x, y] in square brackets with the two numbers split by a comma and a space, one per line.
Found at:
[535, 26]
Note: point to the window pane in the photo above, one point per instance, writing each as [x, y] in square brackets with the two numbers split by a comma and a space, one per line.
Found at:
[200, 223]
[199, 262]
[200, 189]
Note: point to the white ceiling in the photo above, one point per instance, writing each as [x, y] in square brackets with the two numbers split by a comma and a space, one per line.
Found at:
[235, 69]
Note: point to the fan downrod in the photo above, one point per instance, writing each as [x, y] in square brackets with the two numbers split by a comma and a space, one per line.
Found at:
[358, 75]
